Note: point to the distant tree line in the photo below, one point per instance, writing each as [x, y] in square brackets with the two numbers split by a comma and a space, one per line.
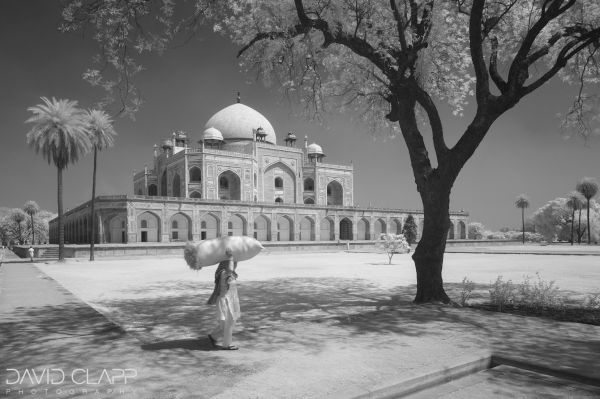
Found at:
[26, 225]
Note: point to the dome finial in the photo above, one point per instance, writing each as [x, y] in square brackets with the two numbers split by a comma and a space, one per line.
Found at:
[239, 98]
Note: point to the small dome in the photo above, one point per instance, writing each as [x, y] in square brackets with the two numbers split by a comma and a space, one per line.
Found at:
[167, 143]
[291, 136]
[212, 134]
[314, 149]
[239, 122]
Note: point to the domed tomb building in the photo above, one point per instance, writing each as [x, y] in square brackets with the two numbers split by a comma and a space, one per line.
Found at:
[233, 178]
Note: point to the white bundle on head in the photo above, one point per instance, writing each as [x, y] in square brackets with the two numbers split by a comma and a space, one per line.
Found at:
[211, 252]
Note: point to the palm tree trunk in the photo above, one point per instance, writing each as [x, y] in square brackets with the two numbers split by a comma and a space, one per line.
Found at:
[572, 224]
[32, 231]
[588, 222]
[61, 226]
[579, 228]
[92, 215]
[523, 223]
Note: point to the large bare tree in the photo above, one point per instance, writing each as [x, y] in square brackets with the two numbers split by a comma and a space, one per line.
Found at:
[394, 61]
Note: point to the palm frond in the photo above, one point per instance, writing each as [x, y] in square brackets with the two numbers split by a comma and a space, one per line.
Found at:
[60, 131]
[100, 125]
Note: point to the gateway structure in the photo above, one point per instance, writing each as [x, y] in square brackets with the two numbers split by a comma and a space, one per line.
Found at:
[234, 179]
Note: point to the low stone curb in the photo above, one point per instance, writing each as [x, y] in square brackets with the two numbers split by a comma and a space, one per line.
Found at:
[441, 376]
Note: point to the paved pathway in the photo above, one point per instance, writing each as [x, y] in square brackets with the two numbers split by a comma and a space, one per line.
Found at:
[300, 336]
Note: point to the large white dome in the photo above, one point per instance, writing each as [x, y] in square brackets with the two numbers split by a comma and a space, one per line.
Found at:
[238, 121]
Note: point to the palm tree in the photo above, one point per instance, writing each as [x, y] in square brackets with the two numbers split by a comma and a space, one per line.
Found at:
[61, 134]
[588, 187]
[31, 208]
[100, 126]
[574, 202]
[522, 202]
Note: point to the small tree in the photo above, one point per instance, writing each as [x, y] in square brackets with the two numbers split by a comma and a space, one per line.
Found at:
[522, 202]
[588, 187]
[31, 208]
[409, 231]
[392, 244]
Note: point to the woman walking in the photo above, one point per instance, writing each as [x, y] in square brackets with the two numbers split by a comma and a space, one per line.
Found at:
[225, 296]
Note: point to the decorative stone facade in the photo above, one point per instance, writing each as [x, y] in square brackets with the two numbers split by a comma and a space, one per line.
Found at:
[238, 181]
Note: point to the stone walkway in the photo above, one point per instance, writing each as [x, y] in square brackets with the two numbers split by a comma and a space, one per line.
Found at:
[300, 337]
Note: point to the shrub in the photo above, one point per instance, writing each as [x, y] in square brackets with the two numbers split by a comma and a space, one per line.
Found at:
[502, 293]
[592, 301]
[540, 294]
[465, 291]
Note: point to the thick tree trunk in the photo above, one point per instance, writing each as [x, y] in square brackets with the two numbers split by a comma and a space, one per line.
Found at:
[92, 223]
[61, 225]
[429, 255]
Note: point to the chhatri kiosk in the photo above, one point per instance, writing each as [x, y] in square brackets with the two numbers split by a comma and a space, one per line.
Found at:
[232, 178]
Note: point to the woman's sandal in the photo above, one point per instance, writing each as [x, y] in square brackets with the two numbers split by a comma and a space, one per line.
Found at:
[229, 348]
[213, 342]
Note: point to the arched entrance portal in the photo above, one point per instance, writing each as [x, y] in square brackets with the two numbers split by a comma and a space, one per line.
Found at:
[345, 229]
[236, 226]
[262, 228]
[229, 186]
[307, 229]
[335, 193]
[180, 228]
[285, 229]
[209, 227]
[327, 231]
[148, 227]
[363, 230]
[117, 230]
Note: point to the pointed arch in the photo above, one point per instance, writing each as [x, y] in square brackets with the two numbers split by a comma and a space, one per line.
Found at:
[195, 174]
[335, 193]
[327, 231]
[152, 190]
[163, 184]
[262, 228]
[307, 229]
[395, 226]
[236, 225]
[285, 228]
[209, 226]
[176, 191]
[451, 231]
[462, 230]
[229, 186]
[148, 227]
[180, 227]
[363, 230]
[345, 229]
[282, 174]
[379, 227]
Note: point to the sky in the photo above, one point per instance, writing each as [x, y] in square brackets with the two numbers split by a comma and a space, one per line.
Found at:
[524, 152]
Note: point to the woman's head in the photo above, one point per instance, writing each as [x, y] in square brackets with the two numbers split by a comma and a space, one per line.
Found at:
[228, 252]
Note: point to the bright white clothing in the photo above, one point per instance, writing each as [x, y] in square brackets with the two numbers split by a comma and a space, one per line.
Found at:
[228, 309]
[228, 302]
[223, 331]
